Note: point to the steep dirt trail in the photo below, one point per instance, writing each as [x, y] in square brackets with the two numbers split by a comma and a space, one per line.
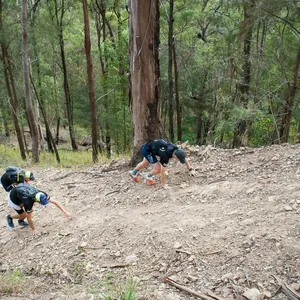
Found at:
[232, 226]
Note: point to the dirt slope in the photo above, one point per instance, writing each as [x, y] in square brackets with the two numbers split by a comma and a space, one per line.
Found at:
[229, 228]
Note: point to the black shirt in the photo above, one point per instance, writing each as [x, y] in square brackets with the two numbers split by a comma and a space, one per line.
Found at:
[17, 197]
[161, 148]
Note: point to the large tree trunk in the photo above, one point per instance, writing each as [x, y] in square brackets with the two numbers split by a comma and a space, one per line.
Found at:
[29, 110]
[170, 72]
[144, 70]
[69, 106]
[89, 62]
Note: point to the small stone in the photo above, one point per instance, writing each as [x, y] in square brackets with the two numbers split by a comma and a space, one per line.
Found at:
[288, 208]
[253, 294]
[82, 245]
[177, 245]
[131, 258]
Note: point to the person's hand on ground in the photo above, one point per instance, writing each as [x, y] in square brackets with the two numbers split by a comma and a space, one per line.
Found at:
[192, 173]
[69, 216]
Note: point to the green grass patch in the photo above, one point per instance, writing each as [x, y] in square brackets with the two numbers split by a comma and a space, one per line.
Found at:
[10, 156]
[12, 282]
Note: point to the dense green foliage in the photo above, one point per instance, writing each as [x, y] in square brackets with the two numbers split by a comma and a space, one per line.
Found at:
[210, 38]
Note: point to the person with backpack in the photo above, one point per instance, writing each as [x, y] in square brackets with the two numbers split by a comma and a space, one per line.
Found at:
[13, 176]
[164, 150]
[22, 198]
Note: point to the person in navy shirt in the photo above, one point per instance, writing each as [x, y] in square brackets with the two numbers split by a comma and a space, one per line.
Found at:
[163, 150]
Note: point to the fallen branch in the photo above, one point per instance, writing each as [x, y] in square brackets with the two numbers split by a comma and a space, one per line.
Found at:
[287, 290]
[211, 294]
[116, 265]
[183, 251]
[186, 289]
[230, 258]
[213, 252]
[112, 192]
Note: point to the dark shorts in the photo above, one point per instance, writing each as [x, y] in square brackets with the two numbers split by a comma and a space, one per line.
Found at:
[149, 156]
[19, 211]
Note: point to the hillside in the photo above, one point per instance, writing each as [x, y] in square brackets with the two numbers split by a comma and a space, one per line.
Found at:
[233, 226]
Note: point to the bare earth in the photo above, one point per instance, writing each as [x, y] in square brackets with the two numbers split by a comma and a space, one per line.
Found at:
[230, 228]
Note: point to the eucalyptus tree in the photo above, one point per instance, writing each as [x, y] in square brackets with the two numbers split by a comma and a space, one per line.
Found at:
[89, 61]
[144, 72]
[29, 109]
[59, 12]
[10, 84]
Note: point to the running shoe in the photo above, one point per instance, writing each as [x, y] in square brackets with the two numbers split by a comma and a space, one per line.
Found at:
[135, 177]
[150, 180]
[22, 223]
[10, 222]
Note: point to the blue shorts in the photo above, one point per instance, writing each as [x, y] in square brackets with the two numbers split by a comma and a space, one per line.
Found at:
[149, 156]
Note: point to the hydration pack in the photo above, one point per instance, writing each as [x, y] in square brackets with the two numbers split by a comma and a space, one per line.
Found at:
[15, 174]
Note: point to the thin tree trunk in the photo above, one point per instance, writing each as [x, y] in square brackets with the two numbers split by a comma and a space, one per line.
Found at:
[89, 62]
[10, 85]
[69, 106]
[29, 109]
[170, 72]
[48, 130]
[244, 87]
[178, 106]
[286, 123]
[104, 65]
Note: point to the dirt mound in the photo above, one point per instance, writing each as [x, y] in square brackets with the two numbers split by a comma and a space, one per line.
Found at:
[232, 227]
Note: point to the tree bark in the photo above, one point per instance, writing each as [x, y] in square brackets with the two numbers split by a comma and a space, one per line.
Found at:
[48, 130]
[104, 66]
[170, 72]
[29, 110]
[69, 106]
[292, 88]
[89, 62]
[178, 106]
[244, 86]
[10, 85]
[144, 71]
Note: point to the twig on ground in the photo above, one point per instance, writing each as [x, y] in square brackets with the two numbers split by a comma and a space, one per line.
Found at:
[213, 252]
[116, 265]
[186, 289]
[183, 251]
[230, 258]
[211, 294]
[112, 192]
[287, 290]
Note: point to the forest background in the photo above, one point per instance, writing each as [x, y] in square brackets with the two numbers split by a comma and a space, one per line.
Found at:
[227, 73]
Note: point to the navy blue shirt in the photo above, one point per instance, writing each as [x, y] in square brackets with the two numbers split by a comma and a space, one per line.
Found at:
[161, 148]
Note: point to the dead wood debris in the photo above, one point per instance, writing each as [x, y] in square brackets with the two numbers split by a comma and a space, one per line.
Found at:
[286, 289]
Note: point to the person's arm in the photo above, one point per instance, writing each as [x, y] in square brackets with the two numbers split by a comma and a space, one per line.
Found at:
[30, 222]
[163, 175]
[188, 166]
[58, 205]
